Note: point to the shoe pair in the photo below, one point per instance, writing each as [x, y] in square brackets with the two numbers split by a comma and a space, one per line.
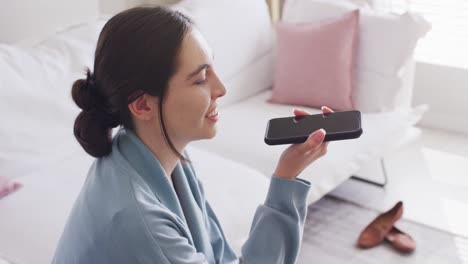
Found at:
[383, 228]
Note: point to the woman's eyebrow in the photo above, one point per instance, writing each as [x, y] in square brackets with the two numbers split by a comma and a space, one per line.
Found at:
[199, 69]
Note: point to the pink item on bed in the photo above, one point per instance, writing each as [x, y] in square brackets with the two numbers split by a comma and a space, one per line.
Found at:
[7, 186]
[315, 61]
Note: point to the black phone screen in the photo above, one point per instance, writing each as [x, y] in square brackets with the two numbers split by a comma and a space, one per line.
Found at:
[337, 122]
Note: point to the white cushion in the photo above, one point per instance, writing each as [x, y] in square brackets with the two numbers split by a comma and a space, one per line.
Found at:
[29, 21]
[245, 123]
[241, 44]
[386, 46]
[36, 108]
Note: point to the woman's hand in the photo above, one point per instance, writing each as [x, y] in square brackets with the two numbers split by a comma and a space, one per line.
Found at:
[297, 157]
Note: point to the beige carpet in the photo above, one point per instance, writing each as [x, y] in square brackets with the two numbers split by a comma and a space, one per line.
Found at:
[333, 226]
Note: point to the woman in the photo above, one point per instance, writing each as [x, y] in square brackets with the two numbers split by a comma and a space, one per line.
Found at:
[141, 202]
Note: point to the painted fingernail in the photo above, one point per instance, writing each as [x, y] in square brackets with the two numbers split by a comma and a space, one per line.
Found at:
[320, 136]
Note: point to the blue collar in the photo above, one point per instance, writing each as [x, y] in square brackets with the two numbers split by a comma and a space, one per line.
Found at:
[145, 163]
[140, 158]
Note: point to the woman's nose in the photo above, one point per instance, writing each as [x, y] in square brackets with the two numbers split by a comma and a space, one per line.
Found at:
[219, 88]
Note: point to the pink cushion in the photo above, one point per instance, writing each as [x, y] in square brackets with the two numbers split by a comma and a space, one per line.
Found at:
[314, 62]
[7, 186]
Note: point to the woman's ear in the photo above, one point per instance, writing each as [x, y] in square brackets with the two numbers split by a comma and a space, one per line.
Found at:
[144, 107]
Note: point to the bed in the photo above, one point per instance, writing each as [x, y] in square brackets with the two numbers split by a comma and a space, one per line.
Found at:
[38, 150]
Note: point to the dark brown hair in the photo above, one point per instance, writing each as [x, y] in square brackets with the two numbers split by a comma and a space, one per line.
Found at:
[136, 54]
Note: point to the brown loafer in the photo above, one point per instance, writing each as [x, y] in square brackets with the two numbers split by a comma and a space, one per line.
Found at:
[375, 232]
[400, 240]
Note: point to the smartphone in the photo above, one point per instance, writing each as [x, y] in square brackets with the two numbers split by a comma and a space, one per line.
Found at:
[292, 130]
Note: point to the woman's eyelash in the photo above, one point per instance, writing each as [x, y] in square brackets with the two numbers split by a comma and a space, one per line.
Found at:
[201, 82]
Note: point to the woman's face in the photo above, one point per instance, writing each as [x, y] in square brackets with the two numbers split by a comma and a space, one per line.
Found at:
[190, 107]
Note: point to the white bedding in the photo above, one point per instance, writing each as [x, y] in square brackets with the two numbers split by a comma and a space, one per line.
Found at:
[32, 218]
[241, 130]
[52, 167]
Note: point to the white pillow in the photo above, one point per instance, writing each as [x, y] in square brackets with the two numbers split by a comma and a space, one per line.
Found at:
[36, 108]
[386, 46]
[29, 21]
[241, 37]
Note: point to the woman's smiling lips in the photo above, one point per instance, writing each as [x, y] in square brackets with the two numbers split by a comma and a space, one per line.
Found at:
[213, 115]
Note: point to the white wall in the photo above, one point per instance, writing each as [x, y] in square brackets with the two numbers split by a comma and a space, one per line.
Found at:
[445, 89]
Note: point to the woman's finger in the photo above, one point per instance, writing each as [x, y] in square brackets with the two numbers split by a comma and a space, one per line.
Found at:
[313, 141]
[298, 112]
[326, 110]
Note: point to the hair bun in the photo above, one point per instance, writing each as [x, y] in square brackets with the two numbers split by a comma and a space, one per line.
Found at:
[84, 92]
[93, 134]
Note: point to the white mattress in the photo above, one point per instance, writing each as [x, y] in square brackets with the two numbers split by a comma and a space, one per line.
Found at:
[241, 130]
[32, 218]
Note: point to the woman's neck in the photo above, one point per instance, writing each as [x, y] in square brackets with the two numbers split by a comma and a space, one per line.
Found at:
[160, 148]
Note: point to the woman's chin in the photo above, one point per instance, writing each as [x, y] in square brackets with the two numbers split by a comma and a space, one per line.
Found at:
[208, 130]
[211, 132]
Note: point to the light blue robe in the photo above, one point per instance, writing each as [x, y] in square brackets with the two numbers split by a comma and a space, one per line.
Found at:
[128, 212]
